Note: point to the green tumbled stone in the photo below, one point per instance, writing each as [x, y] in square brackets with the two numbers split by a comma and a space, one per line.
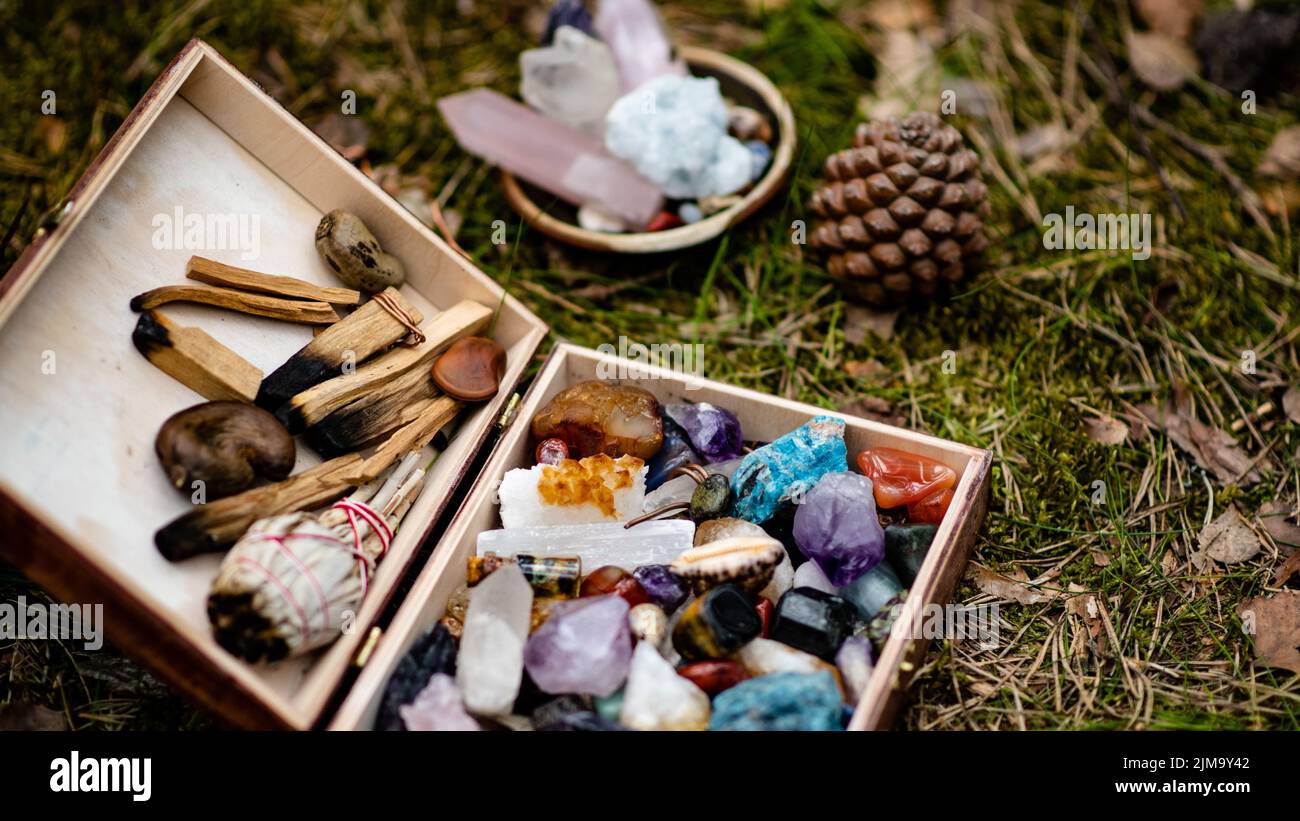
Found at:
[711, 498]
[609, 707]
[906, 547]
[883, 622]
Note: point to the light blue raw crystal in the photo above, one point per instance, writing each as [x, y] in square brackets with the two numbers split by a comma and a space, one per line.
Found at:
[674, 130]
[788, 468]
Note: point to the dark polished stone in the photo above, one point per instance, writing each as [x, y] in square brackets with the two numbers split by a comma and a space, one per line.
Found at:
[813, 621]
[716, 624]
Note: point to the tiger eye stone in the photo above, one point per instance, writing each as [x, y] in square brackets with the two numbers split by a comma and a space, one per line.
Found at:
[598, 417]
[899, 478]
[716, 624]
[471, 369]
[715, 675]
[611, 579]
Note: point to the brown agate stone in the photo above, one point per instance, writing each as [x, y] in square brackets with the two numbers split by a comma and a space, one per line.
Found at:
[597, 417]
[470, 370]
[610, 579]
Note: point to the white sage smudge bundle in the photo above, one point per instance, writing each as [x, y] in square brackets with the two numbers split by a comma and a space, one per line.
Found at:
[286, 586]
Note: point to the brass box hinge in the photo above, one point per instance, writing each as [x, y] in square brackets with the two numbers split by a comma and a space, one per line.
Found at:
[372, 639]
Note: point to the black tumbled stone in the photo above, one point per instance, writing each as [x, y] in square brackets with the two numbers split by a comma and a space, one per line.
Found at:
[813, 621]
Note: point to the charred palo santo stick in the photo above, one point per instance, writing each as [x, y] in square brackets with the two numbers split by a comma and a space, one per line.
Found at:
[372, 415]
[366, 331]
[213, 526]
[289, 310]
[219, 273]
[195, 359]
[314, 404]
[217, 525]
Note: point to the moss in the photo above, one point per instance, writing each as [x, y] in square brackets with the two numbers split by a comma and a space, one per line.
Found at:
[1039, 339]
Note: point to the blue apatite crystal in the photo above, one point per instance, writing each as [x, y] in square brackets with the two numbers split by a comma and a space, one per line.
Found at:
[675, 452]
[787, 468]
[780, 701]
[568, 13]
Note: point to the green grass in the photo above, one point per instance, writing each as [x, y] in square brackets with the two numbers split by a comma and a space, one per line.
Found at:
[1039, 338]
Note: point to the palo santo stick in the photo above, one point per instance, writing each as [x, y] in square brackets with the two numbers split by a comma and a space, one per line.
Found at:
[366, 331]
[195, 359]
[372, 415]
[412, 436]
[314, 404]
[216, 525]
[230, 276]
[289, 310]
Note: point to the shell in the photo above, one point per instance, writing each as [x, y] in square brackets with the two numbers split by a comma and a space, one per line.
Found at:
[747, 561]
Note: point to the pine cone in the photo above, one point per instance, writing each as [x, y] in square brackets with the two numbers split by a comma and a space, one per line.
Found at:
[899, 215]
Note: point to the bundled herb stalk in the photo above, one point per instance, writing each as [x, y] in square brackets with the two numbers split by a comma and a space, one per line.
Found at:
[287, 584]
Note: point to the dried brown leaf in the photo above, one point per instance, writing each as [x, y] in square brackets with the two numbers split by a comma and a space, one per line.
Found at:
[900, 14]
[1228, 539]
[20, 717]
[1212, 448]
[346, 133]
[1291, 404]
[1275, 624]
[1172, 17]
[1286, 570]
[867, 370]
[874, 408]
[1276, 516]
[1042, 139]
[858, 320]
[1282, 159]
[1106, 430]
[1014, 587]
[1160, 61]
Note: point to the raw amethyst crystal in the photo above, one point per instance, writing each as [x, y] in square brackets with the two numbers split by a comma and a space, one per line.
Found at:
[676, 451]
[663, 585]
[713, 431]
[836, 526]
[568, 13]
[584, 647]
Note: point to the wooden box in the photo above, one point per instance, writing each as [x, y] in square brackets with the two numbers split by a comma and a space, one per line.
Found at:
[762, 418]
[80, 490]
[81, 493]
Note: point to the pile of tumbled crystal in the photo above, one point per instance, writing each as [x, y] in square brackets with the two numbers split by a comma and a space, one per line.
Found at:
[738, 646]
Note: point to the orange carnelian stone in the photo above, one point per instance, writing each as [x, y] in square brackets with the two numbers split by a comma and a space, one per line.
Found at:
[900, 478]
[930, 510]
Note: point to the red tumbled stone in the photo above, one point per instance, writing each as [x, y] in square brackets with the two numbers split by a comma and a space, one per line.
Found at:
[616, 580]
[899, 478]
[931, 509]
[663, 221]
[715, 675]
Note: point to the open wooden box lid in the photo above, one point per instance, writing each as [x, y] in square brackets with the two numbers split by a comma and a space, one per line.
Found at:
[81, 492]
